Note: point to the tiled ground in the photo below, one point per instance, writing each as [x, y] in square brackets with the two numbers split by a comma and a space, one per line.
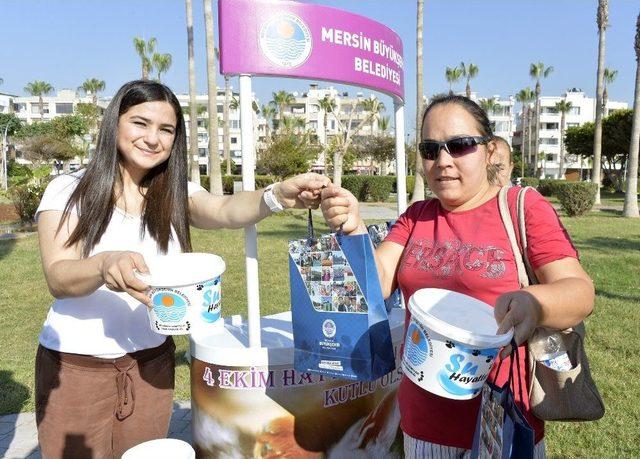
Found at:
[19, 439]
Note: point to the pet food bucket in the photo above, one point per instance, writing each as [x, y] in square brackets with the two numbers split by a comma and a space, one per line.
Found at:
[185, 293]
[451, 343]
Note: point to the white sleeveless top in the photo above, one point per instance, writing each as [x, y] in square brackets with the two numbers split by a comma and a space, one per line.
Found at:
[104, 323]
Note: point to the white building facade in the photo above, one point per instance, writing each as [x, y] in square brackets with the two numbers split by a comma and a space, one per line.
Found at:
[583, 110]
[235, 138]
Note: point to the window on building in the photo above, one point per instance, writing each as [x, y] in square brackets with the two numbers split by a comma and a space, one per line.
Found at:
[549, 126]
[333, 125]
[35, 108]
[313, 125]
[203, 169]
[64, 108]
[220, 108]
[202, 152]
[548, 111]
[572, 125]
[548, 141]
[19, 107]
[202, 137]
[574, 111]
[234, 140]
[502, 126]
[234, 124]
[202, 123]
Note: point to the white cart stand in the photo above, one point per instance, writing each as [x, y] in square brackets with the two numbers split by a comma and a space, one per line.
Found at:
[249, 402]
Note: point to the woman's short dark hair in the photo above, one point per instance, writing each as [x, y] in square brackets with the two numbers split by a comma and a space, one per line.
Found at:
[165, 203]
[482, 120]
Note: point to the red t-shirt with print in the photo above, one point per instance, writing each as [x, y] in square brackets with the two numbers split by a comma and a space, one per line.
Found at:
[468, 252]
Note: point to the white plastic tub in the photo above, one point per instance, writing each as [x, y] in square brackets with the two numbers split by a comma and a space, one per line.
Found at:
[185, 293]
[451, 343]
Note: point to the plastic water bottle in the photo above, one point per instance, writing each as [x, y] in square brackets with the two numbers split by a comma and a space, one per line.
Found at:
[551, 350]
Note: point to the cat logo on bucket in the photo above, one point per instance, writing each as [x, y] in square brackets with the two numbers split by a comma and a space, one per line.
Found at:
[285, 40]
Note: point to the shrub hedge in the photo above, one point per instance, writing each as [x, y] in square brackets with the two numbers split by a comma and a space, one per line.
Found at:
[26, 198]
[577, 198]
[227, 182]
[550, 187]
[530, 181]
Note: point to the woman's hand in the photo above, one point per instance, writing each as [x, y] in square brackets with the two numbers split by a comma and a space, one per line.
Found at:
[301, 191]
[518, 310]
[340, 209]
[117, 269]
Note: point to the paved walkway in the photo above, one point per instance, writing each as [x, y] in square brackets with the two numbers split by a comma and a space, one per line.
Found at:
[19, 437]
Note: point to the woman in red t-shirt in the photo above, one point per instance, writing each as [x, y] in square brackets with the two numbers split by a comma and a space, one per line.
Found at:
[458, 242]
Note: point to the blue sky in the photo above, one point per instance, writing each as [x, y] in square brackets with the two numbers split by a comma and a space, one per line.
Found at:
[66, 41]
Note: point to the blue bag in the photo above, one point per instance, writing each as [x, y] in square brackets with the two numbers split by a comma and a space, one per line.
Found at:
[377, 234]
[502, 431]
[340, 323]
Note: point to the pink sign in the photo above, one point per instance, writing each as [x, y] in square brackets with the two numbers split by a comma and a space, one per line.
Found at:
[285, 38]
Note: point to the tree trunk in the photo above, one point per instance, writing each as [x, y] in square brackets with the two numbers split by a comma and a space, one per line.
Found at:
[630, 208]
[337, 167]
[418, 186]
[193, 112]
[536, 140]
[41, 104]
[226, 136]
[468, 90]
[215, 175]
[597, 138]
[562, 120]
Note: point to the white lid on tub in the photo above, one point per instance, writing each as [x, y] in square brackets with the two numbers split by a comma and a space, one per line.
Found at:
[182, 269]
[457, 316]
[230, 347]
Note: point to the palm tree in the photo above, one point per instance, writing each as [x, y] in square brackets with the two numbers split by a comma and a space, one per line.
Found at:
[452, 75]
[280, 100]
[609, 77]
[268, 113]
[630, 208]
[193, 117]
[226, 136]
[215, 174]
[93, 86]
[145, 50]
[525, 97]
[537, 71]
[563, 107]
[39, 88]
[162, 63]
[469, 73]
[234, 103]
[418, 186]
[489, 105]
[375, 107]
[602, 20]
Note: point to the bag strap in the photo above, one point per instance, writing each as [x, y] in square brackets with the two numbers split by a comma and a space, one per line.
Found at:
[503, 205]
[520, 211]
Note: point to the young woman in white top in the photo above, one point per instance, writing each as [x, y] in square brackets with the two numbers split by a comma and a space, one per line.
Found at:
[104, 379]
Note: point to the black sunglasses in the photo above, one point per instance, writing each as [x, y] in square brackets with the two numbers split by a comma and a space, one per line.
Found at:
[460, 146]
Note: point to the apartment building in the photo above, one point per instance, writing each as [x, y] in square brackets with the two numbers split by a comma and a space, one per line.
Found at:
[327, 125]
[583, 110]
[235, 138]
[6, 102]
[63, 103]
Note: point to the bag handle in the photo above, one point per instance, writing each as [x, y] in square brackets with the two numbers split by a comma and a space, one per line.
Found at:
[503, 205]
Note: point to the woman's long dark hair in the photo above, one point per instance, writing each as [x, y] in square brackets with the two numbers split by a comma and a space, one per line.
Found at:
[165, 203]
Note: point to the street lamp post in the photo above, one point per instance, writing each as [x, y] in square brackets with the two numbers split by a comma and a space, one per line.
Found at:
[4, 157]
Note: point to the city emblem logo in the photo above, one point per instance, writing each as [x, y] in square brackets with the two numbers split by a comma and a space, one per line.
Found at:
[285, 40]
[329, 328]
[169, 305]
[416, 346]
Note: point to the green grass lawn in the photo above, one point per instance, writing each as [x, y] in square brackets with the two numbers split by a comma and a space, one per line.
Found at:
[609, 248]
